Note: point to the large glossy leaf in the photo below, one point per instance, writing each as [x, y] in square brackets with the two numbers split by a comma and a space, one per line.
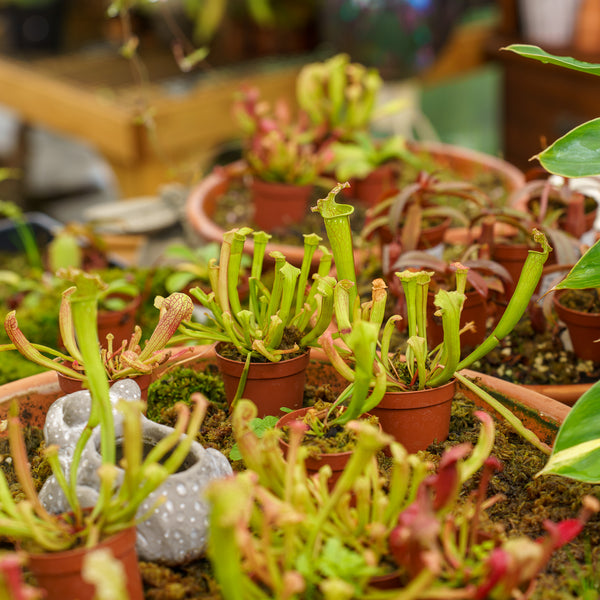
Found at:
[576, 452]
[576, 154]
[585, 273]
[535, 52]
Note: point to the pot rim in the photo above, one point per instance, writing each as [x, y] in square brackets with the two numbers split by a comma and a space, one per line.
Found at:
[47, 383]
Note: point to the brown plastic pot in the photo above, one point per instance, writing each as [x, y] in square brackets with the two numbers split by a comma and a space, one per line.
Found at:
[584, 329]
[337, 461]
[279, 204]
[69, 385]
[271, 386]
[417, 419]
[59, 573]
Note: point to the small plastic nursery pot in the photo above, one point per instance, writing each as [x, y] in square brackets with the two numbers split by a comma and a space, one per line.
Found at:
[416, 419]
[374, 186]
[336, 460]
[270, 385]
[279, 204]
[584, 329]
[59, 573]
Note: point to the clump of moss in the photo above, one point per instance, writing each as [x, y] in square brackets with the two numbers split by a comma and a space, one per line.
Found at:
[194, 580]
[178, 385]
[40, 468]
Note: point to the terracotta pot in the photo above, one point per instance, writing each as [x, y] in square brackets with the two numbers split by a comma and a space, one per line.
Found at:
[279, 204]
[202, 201]
[371, 189]
[33, 394]
[584, 329]
[121, 323]
[269, 385]
[417, 419]
[69, 385]
[541, 414]
[59, 573]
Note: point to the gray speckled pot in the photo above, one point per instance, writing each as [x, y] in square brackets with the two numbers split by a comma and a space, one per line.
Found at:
[177, 530]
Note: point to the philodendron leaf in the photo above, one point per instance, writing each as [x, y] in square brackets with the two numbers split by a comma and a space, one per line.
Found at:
[585, 274]
[576, 452]
[535, 52]
[576, 154]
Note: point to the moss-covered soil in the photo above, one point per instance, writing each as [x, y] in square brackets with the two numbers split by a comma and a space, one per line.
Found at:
[528, 500]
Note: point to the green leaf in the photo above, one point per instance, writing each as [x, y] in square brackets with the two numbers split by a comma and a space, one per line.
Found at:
[585, 273]
[576, 154]
[259, 426]
[177, 281]
[576, 452]
[535, 52]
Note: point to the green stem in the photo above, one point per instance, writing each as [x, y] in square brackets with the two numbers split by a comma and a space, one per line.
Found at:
[530, 276]
[311, 241]
[233, 269]
[512, 420]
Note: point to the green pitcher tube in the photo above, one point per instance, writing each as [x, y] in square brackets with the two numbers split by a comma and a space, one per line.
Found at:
[337, 225]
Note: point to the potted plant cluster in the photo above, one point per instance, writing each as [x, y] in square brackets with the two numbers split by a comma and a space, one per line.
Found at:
[420, 381]
[407, 530]
[340, 98]
[283, 157]
[338, 106]
[56, 544]
[125, 360]
[290, 535]
[266, 340]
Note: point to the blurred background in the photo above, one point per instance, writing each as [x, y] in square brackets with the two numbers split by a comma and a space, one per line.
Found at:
[97, 106]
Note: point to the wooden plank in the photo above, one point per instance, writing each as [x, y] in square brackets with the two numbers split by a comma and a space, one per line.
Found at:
[67, 108]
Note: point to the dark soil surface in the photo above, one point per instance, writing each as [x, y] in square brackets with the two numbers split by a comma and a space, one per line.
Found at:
[587, 301]
[535, 357]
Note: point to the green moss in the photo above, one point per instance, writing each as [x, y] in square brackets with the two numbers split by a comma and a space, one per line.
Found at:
[178, 386]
